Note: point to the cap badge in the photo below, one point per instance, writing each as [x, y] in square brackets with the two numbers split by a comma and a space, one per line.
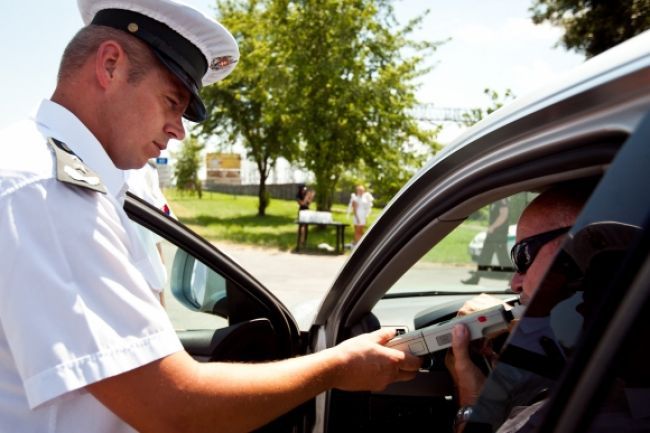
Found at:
[132, 27]
[222, 62]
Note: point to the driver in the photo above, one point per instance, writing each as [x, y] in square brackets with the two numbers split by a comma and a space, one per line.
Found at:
[540, 232]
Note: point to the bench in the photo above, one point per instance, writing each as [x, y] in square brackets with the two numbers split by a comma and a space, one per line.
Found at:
[340, 234]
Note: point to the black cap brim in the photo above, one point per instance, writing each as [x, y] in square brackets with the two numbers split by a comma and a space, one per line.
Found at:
[195, 111]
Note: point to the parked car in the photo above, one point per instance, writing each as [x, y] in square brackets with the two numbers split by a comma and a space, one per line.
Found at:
[593, 123]
[475, 246]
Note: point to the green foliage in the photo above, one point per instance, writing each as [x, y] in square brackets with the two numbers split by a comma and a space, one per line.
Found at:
[591, 26]
[475, 115]
[352, 87]
[250, 106]
[389, 173]
[325, 84]
[188, 161]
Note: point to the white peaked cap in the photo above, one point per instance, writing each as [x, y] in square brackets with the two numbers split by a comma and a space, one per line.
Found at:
[194, 47]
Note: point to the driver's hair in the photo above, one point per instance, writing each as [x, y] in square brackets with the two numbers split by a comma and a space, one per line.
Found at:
[563, 201]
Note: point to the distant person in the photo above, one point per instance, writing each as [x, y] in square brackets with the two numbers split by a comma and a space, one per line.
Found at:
[145, 184]
[496, 242]
[304, 197]
[360, 206]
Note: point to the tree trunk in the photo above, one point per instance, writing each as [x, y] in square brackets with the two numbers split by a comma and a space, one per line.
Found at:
[324, 192]
[263, 197]
[262, 193]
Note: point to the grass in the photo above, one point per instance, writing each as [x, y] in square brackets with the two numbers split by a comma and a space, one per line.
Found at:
[234, 218]
[223, 217]
[453, 248]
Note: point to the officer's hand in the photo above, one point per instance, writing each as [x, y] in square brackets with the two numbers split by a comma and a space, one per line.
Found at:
[368, 365]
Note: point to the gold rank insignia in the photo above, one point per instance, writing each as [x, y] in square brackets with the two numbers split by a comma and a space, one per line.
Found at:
[71, 170]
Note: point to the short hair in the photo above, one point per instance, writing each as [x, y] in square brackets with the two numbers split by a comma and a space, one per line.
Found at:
[565, 199]
[86, 42]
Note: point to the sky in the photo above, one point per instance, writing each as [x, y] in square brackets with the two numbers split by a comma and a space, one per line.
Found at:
[492, 43]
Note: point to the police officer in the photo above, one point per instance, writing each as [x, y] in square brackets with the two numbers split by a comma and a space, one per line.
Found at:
[85, 346]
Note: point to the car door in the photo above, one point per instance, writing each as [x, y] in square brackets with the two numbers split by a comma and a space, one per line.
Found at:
[220, 311]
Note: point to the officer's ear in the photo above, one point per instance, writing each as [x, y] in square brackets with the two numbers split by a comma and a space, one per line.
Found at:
[109, 63]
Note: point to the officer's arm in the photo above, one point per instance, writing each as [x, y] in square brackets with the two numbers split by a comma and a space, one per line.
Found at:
[177, 393]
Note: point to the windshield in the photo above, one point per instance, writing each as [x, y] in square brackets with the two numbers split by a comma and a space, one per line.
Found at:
[474, 258]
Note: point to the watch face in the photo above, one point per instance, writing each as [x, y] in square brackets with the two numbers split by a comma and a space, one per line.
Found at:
[463, 414]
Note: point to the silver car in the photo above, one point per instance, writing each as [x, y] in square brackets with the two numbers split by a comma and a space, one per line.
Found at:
[594, 123]
[475, 247]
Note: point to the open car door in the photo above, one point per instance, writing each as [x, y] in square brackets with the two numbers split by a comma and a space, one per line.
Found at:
[220, 311]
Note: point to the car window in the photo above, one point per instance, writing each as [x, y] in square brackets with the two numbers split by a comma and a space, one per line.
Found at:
[169, 261]
[473, 257]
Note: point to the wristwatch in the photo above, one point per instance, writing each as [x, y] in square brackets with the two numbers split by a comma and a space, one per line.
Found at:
[462, 416]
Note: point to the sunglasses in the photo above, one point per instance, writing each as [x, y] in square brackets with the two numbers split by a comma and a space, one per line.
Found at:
[523, 253]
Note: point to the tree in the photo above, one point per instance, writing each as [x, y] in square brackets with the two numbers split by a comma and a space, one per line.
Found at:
[352, 86]
[390, 172]
[188, 161]
[593, 26]
[475, 115]
[249, 106]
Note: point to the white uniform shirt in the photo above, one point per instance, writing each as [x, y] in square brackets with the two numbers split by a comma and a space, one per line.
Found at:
[76, 304]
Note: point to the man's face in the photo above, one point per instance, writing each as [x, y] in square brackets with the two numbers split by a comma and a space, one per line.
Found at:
[142, 117]
[532, 222]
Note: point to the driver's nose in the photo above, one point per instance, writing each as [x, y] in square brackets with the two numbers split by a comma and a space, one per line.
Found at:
[517, 282]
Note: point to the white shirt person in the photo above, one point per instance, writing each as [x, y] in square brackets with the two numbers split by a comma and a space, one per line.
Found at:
[360, 206]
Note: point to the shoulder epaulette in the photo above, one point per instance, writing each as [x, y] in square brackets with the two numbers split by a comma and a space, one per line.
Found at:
[71, 170]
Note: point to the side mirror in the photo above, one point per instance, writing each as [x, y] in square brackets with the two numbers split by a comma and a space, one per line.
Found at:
[198, 287]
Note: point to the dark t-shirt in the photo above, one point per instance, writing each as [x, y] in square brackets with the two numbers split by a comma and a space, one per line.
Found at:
[300, 196]
[500, 232]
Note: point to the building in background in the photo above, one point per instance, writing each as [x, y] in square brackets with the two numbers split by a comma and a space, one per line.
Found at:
[223, 168]
[165, 172]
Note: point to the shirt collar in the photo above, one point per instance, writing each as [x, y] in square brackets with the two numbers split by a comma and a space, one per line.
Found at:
[56, 121]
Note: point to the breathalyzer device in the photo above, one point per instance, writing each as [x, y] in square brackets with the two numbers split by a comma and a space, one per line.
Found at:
[438, 336]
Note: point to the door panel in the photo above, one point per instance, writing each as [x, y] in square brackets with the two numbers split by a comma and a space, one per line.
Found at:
[220, 312]
[244, 342]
